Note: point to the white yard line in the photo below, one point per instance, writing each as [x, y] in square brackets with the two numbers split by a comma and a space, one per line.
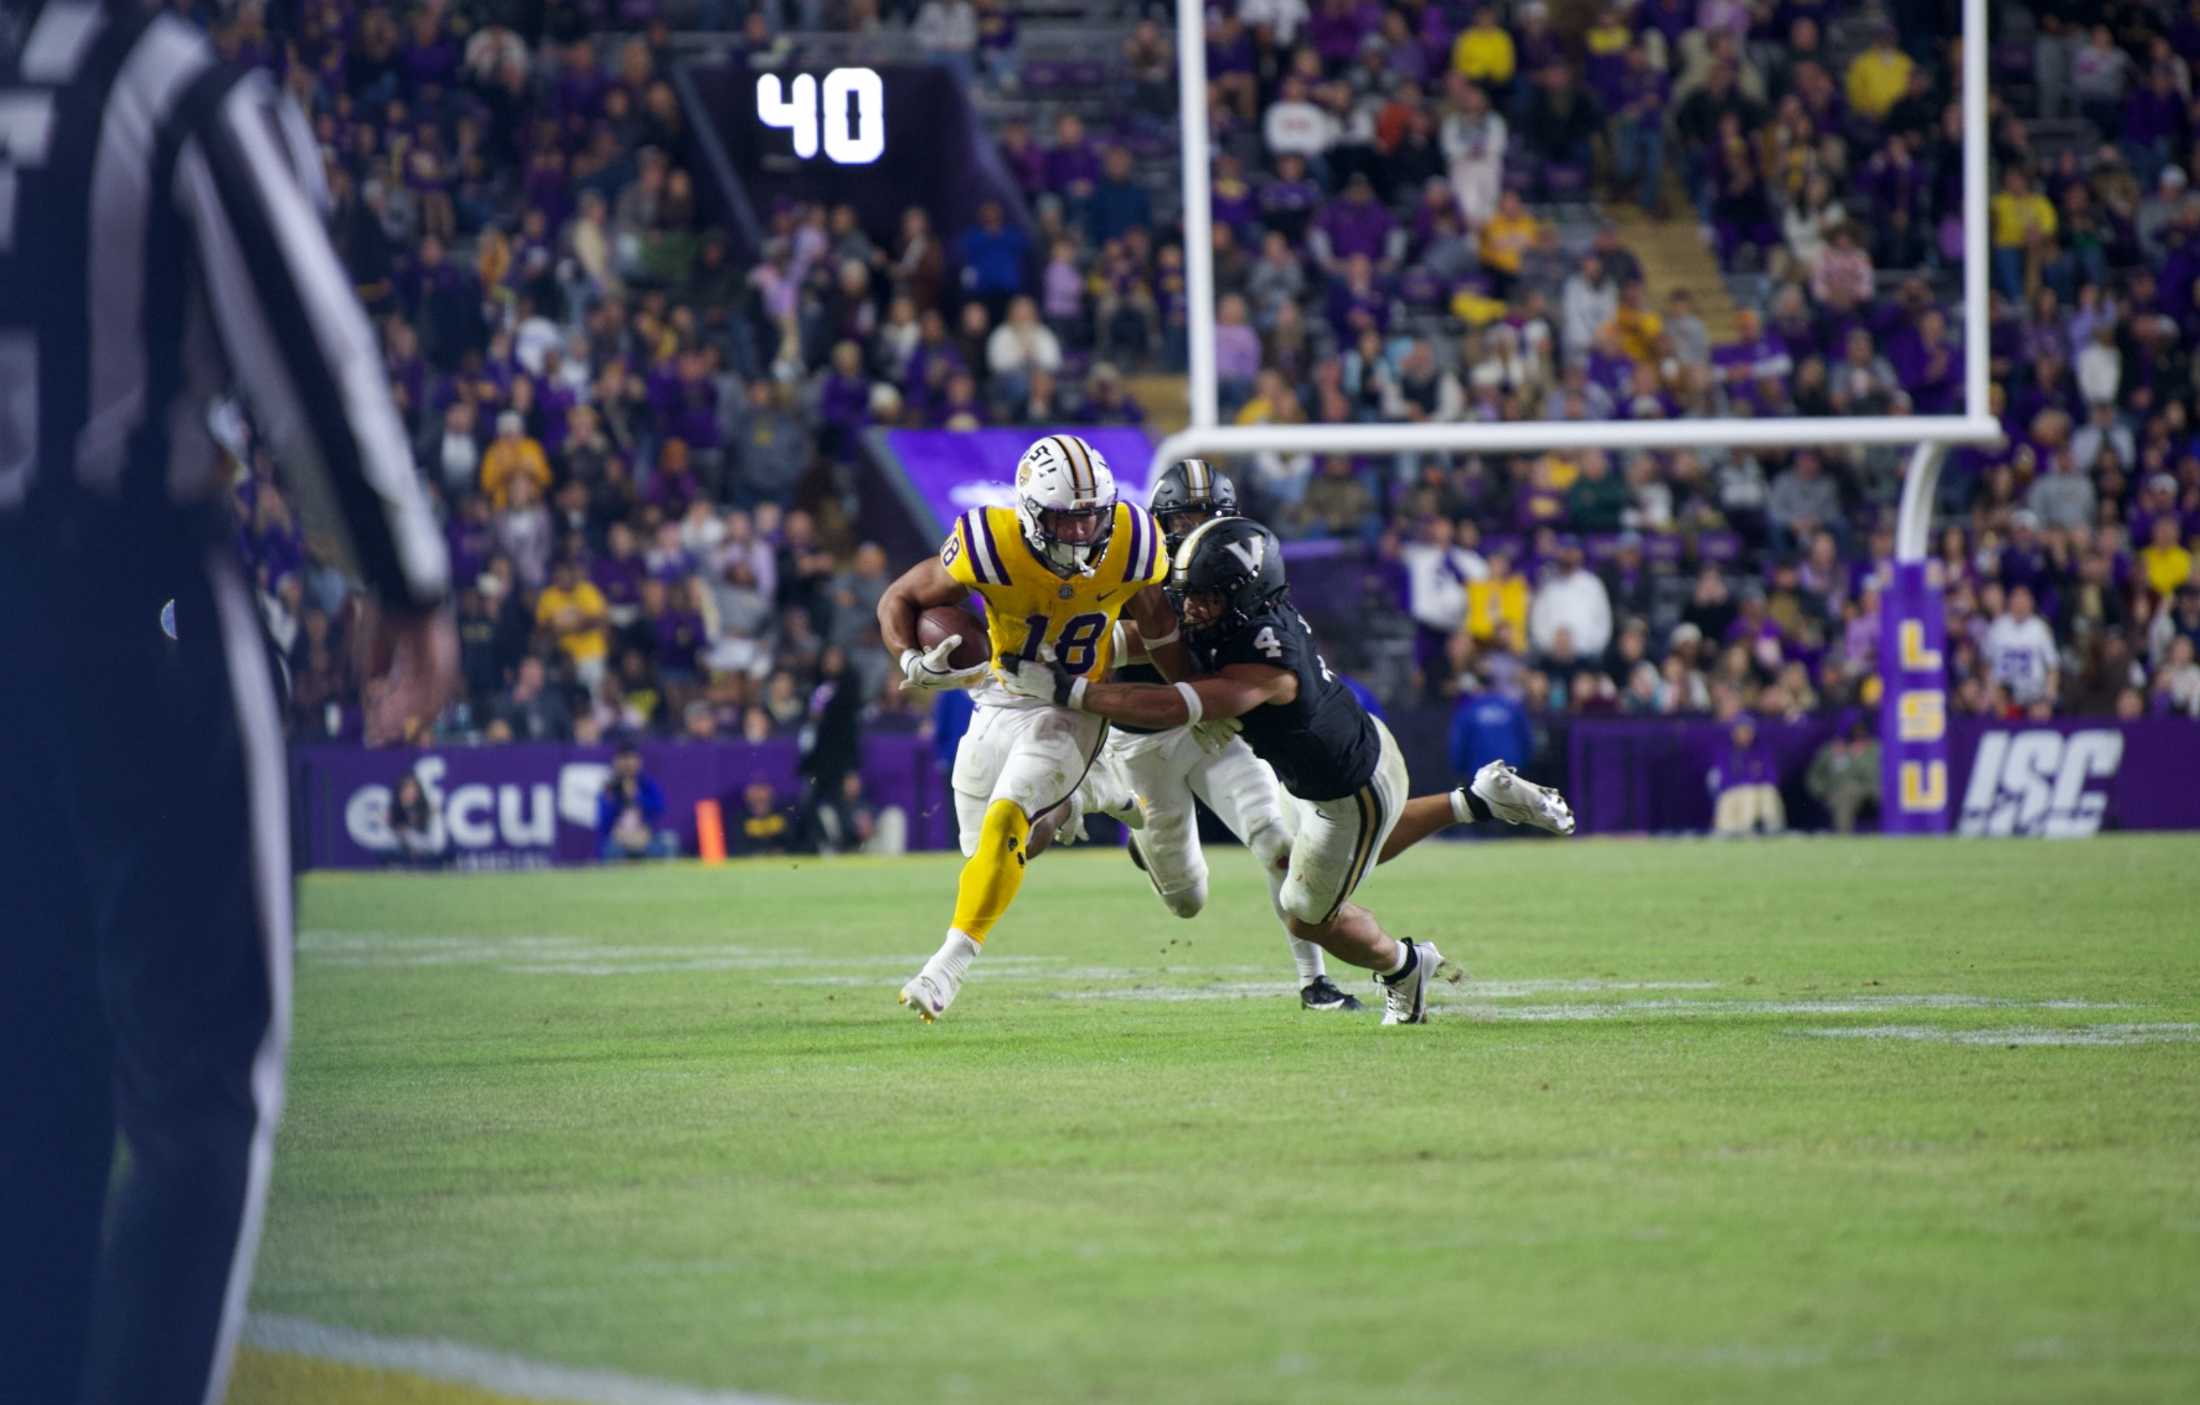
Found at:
[1698, 1009]
[458, 1364]
[2087, 1036]
[1141, 988]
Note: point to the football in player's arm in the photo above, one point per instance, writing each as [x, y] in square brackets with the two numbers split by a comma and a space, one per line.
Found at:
[928, 584]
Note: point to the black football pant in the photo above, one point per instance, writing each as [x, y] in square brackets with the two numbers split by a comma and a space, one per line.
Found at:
[145, 894]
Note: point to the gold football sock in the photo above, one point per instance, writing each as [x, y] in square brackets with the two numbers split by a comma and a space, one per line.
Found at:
[991, 876]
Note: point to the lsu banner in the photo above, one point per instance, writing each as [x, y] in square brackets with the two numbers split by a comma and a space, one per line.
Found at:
[1913, 709]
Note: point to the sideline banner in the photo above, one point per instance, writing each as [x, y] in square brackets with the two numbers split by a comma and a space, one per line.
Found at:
[534, 805]
[2066, 778]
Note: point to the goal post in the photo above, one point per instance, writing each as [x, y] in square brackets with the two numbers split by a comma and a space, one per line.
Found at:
[1913, 703]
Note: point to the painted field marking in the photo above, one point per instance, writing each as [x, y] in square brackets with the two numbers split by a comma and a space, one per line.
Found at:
[1246, 990]
[2090, 1036]
[564, 954]
[1694, 1009]
[452, 1363]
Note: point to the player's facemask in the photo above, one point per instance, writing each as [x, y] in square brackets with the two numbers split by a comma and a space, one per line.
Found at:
[1177, 525]
[1204, 613]
[1072, 539]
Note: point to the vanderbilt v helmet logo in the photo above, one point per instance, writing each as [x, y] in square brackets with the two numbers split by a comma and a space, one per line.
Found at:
[1249, 552]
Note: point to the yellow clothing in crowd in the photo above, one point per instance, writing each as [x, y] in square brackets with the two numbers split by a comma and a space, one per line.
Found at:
[1639, 329]
[2166, 567]
[1493, 602]
[581, 645]
[1262, 410]
[2017, 216]
[1505, 242]
[1605, 40]
[508, 459]
[1484, 55]
[1878, 78]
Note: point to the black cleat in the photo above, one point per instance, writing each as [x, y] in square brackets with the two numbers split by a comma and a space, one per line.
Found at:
[1322, 994]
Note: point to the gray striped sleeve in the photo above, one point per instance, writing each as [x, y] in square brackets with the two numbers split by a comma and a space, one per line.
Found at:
[302, 349]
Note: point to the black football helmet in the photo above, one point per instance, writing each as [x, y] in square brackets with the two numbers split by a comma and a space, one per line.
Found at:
[1233, 558]
[1186, 486]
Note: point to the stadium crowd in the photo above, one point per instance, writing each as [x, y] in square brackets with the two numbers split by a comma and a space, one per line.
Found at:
[640, 447]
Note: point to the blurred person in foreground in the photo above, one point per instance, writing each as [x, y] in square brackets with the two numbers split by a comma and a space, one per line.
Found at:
[145, 980]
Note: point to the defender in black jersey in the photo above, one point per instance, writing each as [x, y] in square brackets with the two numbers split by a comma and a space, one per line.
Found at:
[1171, 771]
[1265, 677]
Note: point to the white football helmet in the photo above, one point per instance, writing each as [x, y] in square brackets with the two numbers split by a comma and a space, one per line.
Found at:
[1065, 499]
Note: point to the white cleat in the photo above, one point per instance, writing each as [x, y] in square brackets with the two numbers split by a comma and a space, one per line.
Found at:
[936, 984]
[1517, 801]
[1405, 1001]
[1107, 791]
[929, 993]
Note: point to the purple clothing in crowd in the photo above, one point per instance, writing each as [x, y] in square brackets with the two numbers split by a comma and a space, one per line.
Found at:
[1072, 165]
[844, 402]
[1336, 34]
[1357, 227]
[619, 578]
[1289, 206]
[680, 638]
[1230, 55]
[1934, 379]
[670, 493]
[1350, 308]
[471, 545]
[1235, 206]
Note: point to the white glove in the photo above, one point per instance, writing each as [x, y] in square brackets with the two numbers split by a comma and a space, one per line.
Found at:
[1214, 736]
[1042, 680]
[927, 670]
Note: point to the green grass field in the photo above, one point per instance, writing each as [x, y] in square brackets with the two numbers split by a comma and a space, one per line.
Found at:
[1870, 1121]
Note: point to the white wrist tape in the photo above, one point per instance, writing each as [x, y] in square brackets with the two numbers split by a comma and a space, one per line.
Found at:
[1191, 703]
[1160, 639]
[1077, 693]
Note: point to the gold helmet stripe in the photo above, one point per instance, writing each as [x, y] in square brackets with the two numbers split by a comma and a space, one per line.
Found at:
[1183, 561]
[1081, 478]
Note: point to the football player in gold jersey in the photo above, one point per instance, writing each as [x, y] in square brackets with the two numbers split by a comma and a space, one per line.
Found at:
[1055, 571]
